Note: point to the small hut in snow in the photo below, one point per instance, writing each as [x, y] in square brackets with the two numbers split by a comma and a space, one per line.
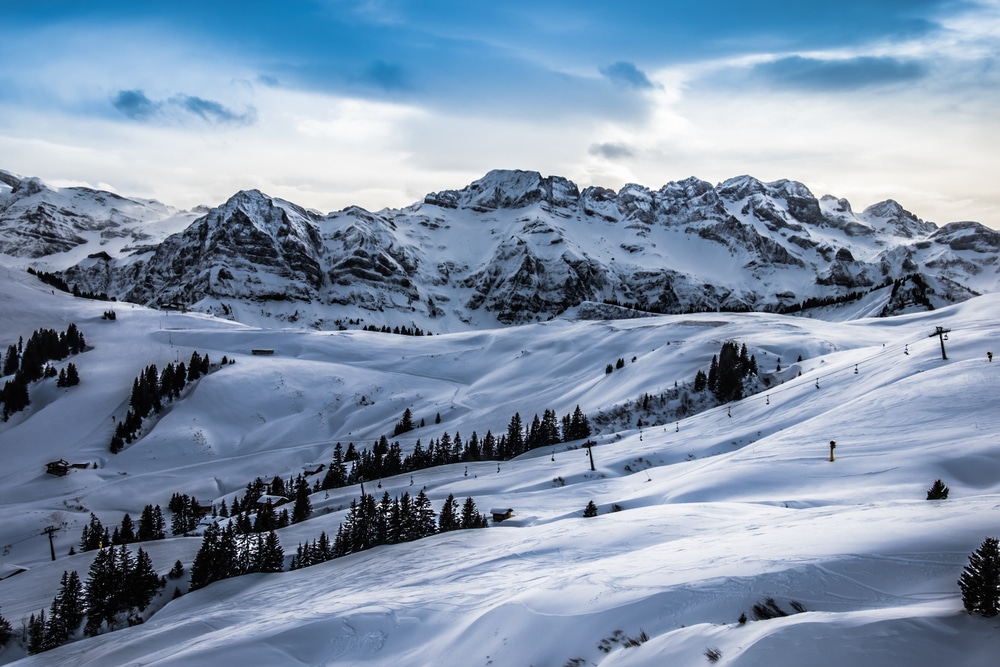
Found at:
[501, 513]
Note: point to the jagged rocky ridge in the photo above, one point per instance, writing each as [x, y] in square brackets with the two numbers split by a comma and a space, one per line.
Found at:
[514, 247]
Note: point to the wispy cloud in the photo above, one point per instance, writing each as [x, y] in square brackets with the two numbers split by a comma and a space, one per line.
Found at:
[839, 74]
[611, 151]
[136, 105]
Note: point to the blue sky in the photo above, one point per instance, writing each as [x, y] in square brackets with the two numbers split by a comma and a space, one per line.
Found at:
[336, 102]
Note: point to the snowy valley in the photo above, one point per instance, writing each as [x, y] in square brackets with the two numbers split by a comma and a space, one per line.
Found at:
[703, 510]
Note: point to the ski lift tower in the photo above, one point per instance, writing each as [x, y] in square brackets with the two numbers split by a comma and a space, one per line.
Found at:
[942, 334]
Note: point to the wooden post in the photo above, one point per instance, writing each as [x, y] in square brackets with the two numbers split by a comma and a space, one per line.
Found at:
[833, 446]
[590, 450]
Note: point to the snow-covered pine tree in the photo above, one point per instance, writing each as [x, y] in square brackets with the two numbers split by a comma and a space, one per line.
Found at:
[449, 518]
[938, 491]
[980, 580]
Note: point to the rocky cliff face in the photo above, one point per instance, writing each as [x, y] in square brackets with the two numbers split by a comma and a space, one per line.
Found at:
[37, 221]
[515, 246]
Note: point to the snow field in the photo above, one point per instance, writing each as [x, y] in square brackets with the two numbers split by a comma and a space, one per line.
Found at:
[720, 510]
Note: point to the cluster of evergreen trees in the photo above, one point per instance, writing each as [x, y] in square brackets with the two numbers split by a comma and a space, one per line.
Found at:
[726, 374]
[28, 362]
[370, 523]
[150, 527]
[186, 512]
[266, 516]
[402, 331]
[227, 552]
[50, 279]
[819, 301]
[149, 389]
[60, 284]
[119, 585]
[385, 459]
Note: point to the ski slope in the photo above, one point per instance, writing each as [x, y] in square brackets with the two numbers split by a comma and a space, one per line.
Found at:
[718, 511]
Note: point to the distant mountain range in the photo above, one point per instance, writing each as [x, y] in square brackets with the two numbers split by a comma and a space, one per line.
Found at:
[512, 247]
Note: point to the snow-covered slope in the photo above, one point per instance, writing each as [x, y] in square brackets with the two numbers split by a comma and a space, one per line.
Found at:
[718, 511]
[515, 247]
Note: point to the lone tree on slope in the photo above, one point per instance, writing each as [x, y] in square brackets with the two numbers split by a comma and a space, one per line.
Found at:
[980, 580]
[938, 491]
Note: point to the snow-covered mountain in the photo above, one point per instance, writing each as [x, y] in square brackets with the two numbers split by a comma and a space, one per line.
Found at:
[58, 225]
[516, 247]
[699, 517]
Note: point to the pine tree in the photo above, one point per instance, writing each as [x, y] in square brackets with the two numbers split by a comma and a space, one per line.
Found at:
[101, 591]
[12, 361]
[405, 423]
[471, 518]
[700, 381]
[142, 583]
[713, 373]
[216, 559]
[271, 557]
[36, 633]
[94, 535]
[6, 631]
[980, 580]
[449, 518]
[579, 426]
[515, 436]
[938, 491]
[66, 612]
[126, 533]
[151, 525]
[72, 375]
[336, 475]
[194, 368]
[266, 518]
[590, 510]
[426, 523]
[303, 506]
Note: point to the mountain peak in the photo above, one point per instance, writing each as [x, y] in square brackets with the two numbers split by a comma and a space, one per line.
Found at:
[508, 188]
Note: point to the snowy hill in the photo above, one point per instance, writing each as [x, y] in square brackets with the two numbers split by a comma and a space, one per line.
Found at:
[513, 247]
[700, 518]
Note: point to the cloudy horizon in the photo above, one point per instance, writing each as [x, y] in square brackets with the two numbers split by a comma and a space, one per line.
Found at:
[330, 103]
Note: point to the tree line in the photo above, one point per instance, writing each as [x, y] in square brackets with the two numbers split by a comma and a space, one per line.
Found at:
[370, 523]
[151, 526]
[61, 285]
[386, 460]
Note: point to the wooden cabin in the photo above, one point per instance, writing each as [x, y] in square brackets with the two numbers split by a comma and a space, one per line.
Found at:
[58, 468]
[501, 513]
